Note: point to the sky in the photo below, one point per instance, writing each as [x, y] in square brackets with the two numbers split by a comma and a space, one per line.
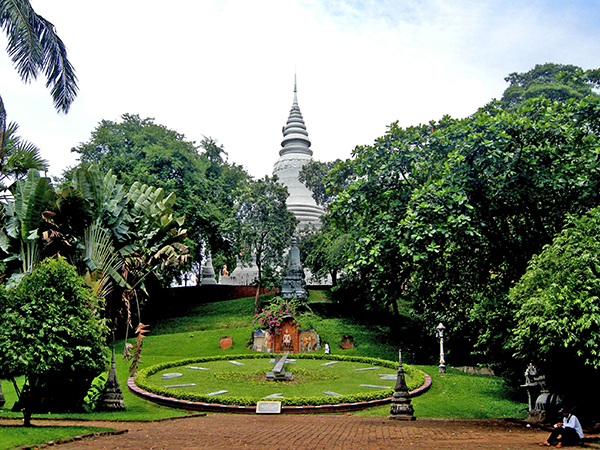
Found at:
[225, 69]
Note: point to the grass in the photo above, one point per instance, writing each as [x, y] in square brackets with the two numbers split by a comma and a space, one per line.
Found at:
[18, 436]
[197, 332]
[310, 378]
[457, 395]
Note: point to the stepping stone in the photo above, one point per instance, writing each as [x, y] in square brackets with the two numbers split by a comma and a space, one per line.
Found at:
[196, 368]
[330, 363]
[333, 394]
[367, 368]
[375, 387]
[180, 385]
[274, 396]
[168, 376]
[218, 393]
[235, 363]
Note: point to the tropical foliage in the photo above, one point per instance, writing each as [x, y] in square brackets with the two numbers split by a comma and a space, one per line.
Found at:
[115, 236]
[204, 183]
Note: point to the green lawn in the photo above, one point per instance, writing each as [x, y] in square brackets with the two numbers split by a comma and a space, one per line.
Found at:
[198, 332]
[18, 436]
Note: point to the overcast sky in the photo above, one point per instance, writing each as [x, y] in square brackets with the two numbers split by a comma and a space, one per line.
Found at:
[225, 69]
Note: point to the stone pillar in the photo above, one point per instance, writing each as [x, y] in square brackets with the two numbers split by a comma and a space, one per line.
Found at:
[401, 408]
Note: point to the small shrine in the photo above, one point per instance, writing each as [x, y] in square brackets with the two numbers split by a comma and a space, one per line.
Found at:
[288, 339]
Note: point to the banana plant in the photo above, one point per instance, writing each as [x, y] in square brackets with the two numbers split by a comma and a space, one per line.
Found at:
[25, 220]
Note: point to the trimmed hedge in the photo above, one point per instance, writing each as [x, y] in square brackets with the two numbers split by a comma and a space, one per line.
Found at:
[141, 380]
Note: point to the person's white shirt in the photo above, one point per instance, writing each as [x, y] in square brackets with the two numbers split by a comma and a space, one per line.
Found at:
[570, 421]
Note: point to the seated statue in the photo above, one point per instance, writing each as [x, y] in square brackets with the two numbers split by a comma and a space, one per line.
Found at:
[287, 341]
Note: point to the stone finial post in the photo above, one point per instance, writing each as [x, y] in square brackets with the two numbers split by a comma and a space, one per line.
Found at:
[440, 329]
[112, 396]
[401, 408]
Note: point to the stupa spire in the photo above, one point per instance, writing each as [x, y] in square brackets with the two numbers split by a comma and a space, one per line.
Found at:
[295, 136]
[293, 155]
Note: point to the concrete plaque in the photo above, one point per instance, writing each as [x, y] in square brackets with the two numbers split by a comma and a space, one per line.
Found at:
[268, 408]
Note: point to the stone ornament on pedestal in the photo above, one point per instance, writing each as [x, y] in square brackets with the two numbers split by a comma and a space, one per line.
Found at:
[112, 396]
[293, 284]
[208, 271]
[401, 408]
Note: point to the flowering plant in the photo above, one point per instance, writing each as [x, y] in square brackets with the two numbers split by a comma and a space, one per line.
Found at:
[271, 317]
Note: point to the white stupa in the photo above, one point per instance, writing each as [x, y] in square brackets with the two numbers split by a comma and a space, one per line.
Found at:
[293, 156]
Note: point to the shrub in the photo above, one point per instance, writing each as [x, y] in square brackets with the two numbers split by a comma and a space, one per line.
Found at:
[51, 333]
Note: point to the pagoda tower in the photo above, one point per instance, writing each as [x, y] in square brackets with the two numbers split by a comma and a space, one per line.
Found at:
[295, 153]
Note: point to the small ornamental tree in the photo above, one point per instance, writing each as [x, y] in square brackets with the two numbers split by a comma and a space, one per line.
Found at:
[271, 317]
[556, 308]
[52, 334]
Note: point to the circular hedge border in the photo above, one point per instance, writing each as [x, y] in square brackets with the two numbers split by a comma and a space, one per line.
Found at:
[141, 386]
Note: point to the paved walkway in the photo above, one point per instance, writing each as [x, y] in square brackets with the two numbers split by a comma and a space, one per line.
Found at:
[308, 432]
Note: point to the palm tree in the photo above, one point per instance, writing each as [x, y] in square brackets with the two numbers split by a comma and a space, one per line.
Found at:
[34, 47]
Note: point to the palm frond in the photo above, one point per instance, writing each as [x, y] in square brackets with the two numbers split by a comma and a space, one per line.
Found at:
[34, 47]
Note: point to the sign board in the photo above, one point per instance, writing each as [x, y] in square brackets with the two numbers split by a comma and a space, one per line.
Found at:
[268, 408]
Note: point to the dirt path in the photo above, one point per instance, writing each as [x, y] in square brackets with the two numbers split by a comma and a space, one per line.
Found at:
[307, 432]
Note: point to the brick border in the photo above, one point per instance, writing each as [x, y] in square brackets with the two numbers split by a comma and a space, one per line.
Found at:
[216, 407]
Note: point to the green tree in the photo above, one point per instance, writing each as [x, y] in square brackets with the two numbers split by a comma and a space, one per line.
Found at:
[556, 82]
[556, 304]
[34, 47]
[314, 175]
[323, 251]
[447, 215]
[263, 226]
[51, 333]
[139, 149]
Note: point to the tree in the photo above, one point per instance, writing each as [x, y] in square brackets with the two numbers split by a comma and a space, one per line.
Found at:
[447, 215]
[136, 148]
[556, 82]
[51, 333]
[556, 320]
[313, 176]
[263, 226]
[323, 251]
[34, 47]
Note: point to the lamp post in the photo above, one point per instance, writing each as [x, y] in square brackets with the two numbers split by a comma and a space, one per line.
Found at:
[440, 329]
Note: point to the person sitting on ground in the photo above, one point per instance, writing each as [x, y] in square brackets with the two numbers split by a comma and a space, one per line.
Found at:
[567, 432]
